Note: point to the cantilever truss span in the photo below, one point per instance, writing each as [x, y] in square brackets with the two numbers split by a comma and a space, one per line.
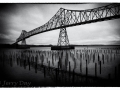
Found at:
[67, 18]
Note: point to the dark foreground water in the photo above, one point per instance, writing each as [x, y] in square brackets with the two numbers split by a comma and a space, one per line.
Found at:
[39, 67]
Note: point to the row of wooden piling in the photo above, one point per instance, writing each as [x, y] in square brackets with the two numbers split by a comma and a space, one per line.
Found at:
[25, 56]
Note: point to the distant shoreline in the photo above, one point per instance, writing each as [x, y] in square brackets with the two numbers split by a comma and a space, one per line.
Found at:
[17, 46]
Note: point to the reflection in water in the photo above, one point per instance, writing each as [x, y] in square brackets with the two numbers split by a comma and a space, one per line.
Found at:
[82, 67]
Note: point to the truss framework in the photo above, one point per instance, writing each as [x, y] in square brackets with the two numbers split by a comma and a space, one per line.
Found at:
[63, 38]
[67, 18]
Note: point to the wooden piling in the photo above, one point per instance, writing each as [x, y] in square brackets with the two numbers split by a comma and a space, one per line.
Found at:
[111, 57]
[103, 58]
[88, 59]
[69, 67]
[58, 65]
[93, 57]
[81, 66]
[47, 60]
[98, 58]
[29, 65]
[95, 69]
[36, 66]
[49, 65]
[86, 69]
[100, 67]
[42, 59]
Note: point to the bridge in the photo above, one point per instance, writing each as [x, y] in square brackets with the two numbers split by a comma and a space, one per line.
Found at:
[67, 18]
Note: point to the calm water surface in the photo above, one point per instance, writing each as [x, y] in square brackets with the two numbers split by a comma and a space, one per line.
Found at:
[28, 65]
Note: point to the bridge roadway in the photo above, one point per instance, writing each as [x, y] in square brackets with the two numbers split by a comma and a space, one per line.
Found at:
[68, 18]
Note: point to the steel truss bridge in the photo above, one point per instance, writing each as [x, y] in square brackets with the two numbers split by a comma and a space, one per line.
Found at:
[67, 18]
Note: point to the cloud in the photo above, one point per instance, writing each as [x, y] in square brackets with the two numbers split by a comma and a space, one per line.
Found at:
[6, 39]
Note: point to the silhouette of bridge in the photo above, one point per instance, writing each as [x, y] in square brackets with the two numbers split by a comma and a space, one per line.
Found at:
[67, 18]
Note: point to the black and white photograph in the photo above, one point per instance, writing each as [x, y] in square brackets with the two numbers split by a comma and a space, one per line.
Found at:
[60, 44]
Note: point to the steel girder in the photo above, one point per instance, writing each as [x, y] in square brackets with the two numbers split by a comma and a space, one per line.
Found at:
[67, 18]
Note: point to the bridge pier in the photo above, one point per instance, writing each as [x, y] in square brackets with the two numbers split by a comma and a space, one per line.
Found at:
[63, 38]
[23, 42]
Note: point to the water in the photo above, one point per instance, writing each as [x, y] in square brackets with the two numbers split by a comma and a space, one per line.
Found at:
[43, 67]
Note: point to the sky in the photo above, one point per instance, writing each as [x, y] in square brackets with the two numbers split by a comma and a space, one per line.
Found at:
[17, 17]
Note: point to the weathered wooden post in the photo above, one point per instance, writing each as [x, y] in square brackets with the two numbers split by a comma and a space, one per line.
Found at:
[95, 69]
[100, 67]
[58, 67]
[49, 65]
[98, 58]
[86, 69]
[31, 60]
[69, 70]
[35, 65]
[88, 58]
[47, 60]
[111, 57]
[29, 64]
[93, 57]
[42, 59]
[81, 65]
[107, 58]
[103, 58]
[69, 67]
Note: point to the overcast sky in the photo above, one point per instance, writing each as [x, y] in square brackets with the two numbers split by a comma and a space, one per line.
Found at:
[17, 17]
